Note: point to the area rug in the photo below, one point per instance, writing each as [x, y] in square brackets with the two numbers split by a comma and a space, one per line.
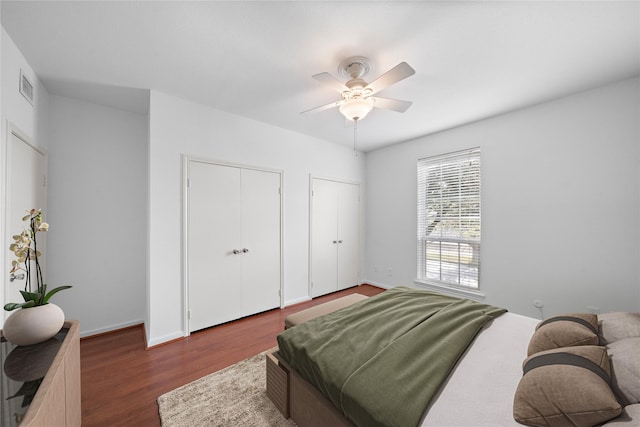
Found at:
[234, 396]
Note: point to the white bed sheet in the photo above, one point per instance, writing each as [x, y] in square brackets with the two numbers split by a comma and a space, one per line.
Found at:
[480, 390]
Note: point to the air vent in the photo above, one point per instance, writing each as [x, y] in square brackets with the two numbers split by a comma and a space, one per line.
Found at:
[26, 88]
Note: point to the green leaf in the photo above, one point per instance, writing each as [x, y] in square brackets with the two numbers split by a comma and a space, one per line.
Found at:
[42, 290]
[31, 296]
[54, 291]
[12, 305]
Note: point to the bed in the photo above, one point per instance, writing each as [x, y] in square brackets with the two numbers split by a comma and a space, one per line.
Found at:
[477, 389]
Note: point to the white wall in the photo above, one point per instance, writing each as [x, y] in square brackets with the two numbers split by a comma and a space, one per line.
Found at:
[180, 127]
[32, 120]
[560, 204]
[98, 213]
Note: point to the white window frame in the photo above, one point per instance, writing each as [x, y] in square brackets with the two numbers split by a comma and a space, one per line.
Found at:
[456, 235]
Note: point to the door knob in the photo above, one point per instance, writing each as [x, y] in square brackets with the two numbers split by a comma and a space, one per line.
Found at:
[245, 250]
[339, 241]
[335, 241]
[236, 252]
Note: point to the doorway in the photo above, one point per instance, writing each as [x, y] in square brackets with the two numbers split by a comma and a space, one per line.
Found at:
[26, 189]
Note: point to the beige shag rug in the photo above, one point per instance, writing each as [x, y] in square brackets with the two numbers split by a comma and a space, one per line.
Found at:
[234, 396]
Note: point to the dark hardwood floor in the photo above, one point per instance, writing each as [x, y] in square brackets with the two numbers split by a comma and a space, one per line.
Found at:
[121, 380]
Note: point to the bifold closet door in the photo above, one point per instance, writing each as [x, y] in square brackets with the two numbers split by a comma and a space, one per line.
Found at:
[335, 231]
[348, 235]
[233, 243]
[324, 237]
[261, 238]
[214, 232]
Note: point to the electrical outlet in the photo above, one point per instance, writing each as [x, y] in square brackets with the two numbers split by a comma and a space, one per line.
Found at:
[537, 303]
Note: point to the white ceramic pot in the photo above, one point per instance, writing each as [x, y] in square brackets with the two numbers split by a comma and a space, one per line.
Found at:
[33, 325]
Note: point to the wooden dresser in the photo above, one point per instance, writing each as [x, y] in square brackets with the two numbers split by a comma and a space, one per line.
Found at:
[57, 400]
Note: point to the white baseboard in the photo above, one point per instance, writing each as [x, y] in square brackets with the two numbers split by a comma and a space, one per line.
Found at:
[378, 284]
[111, 328]
[180, 334]
[165, 338]
[308, 298]
[296, 301]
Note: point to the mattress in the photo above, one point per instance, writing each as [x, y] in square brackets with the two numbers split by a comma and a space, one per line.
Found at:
[480, 389]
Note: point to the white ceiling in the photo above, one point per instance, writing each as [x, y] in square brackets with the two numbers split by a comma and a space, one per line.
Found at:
[472, 59]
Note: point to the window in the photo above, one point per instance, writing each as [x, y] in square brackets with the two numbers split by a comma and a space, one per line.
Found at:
[449, 219]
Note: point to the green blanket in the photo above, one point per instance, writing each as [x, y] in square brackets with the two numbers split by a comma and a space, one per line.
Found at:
[381, 360]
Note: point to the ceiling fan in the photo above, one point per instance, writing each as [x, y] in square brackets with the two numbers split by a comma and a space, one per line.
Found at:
[357, 95]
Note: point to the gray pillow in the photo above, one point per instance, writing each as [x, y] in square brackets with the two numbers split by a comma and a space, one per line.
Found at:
[618, 326]
[625, 369]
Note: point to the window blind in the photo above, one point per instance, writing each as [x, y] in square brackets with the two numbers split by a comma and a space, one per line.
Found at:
[449, 218]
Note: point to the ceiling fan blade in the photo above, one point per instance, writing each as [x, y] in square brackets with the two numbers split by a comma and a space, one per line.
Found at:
[324, 107]
[329, 80]
[397, 73]
[391, 104]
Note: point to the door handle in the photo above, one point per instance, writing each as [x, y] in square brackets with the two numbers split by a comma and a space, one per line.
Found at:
[245, 250]
[335, 241]
[236, 252]
[339, 241]
[13, 277]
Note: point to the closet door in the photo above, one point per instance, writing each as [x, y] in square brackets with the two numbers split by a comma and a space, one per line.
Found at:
[324, 237]
[261, 244]
[348, 215]
[335, 236]
[26, 189]
[214, 225]
[233, 243]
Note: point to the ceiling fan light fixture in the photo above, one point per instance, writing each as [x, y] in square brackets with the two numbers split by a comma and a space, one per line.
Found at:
[358, 96]
[356, 108]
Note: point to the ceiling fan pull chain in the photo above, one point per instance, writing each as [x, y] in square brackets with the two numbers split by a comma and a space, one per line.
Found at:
[355, 137]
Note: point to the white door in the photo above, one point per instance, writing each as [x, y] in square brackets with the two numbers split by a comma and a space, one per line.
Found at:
[261, 244]
[26, 189]
[233, 243]
[348, 235]
[213, 234]
[324, 236]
